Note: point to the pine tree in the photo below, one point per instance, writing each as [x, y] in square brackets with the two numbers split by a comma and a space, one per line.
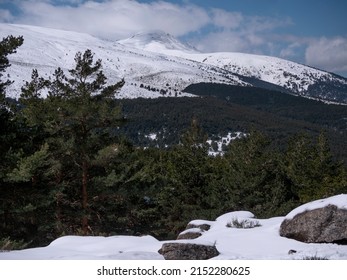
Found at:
[312, 170]
[186, 193]
[8, 46]
[7, 125]
[255, 179]
[79, 116]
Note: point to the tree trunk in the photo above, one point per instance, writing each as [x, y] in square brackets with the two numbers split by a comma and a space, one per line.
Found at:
[85, 227]
[58, 210]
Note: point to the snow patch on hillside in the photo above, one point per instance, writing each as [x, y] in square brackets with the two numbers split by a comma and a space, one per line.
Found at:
[218, 146]
[131, 91]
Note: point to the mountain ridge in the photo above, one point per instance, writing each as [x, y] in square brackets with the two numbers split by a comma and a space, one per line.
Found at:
[156, 64]
[156, 41]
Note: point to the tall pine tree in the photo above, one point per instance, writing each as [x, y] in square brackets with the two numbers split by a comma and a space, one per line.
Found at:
[78, 116]
[312, 170]
[8, 46]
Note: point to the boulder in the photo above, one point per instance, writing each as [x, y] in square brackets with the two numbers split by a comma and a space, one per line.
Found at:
[322, 225]
[188, 251]
[190, 234]
[195, 229]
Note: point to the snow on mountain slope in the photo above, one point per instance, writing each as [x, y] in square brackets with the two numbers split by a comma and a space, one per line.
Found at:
[293, 77]
[146, 74]
[157, 41]
[156, 64]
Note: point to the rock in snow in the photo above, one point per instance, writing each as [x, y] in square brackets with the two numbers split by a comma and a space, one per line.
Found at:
[321, 221]
[188, 251]
[194, 229]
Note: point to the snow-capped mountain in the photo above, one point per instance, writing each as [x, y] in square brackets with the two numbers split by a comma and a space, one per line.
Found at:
[290, 76]
[157, 64]
[157, 41]
[147, 74]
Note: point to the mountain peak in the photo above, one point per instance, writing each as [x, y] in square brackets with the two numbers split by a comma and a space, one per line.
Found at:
[156, 41]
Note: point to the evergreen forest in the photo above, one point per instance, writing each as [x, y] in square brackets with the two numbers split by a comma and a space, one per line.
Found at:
[78, 162]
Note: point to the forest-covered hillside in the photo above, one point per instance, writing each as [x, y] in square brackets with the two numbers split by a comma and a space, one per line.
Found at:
[224, 108]
[74, 162]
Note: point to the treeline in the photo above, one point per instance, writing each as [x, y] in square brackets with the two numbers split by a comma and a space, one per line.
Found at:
[66, 167]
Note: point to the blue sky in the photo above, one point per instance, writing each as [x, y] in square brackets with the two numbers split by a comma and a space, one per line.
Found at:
[312, 32]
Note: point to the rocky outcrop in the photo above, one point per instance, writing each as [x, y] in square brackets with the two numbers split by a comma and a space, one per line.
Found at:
[323, 225]
[188, 251]
[194, 229]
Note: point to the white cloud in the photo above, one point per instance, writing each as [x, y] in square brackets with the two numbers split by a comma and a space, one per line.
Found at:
[220, 41]
[230, 41]
[226, 20]
[121, 18]
[328, 54]
[291, 50]
[240, 33]
[115, 18]
[5, 15]
[262, 24]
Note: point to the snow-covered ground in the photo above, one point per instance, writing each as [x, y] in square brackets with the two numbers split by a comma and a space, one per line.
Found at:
[259, 243]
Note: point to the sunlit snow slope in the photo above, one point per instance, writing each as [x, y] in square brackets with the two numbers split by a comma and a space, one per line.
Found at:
[157, 64]
[147, 74]
[292, 77]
